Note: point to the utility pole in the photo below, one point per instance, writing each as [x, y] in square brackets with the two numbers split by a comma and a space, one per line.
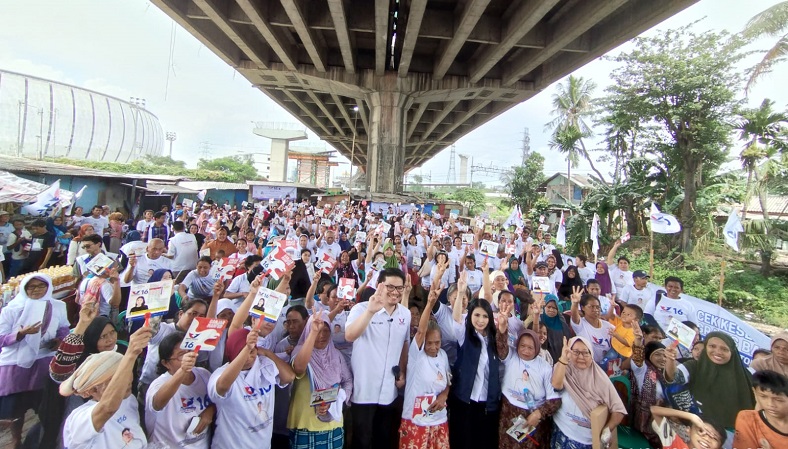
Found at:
[526, 145]
[204, 149]
[171, 138]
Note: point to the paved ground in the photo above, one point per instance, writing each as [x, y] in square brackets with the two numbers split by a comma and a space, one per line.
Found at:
[5, 435]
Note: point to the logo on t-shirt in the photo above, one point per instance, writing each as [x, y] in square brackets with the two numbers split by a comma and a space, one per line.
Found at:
[671, 310]
[251, 392]
[601, 341]
[187, 405]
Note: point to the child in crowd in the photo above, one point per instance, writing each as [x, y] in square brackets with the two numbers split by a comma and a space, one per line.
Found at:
[766, 426]
[671, 426]
[622, 338]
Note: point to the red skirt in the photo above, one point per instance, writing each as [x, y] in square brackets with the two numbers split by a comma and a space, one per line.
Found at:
[412, 436]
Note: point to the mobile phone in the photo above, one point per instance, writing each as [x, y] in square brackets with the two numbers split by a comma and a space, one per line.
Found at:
[396, 371]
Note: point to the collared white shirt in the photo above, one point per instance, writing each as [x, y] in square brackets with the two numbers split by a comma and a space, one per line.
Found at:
[480, 383]
[375, 352]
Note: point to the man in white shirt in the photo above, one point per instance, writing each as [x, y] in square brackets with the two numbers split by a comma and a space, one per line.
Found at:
[140, 269]
[99, 222]
[142, 225]
[640, 293]
[672, 305]
[619, 272]
[379, 330]
[183, 252]
[327, 243]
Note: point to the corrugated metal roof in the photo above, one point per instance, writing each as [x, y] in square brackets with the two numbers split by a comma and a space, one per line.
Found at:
[19, 164]
[297, 185]
[169, 189]
[775, 205]
[211, 185]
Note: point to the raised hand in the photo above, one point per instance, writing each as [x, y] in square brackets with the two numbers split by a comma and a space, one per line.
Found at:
[87, 313]
[638, 334]
[577, 294]
[376, 301]
[29, 330]
[251, 339]
[188, 361]
[503, 317]
[218, 287]
[317, 321]
[565, 352]
[139, 340]
[486, 265]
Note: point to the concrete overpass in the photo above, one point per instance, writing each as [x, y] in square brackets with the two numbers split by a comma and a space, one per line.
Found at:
[421, 73]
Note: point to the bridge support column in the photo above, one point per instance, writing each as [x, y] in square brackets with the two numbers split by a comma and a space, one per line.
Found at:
[387, 137]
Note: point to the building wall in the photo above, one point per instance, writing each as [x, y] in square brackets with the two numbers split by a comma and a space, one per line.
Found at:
[99, 191]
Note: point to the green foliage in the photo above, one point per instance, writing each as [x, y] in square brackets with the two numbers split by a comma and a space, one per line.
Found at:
[772, 22]
[538, 207]
[166, 161]
[474, 198]
[523, 184]
[241, 167]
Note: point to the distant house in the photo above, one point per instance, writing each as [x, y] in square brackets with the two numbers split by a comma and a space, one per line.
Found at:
[555, 189]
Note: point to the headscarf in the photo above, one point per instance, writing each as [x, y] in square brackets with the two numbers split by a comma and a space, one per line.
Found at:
[721, 390]
[591, 387]
[235, 344]
[346, 270]
[529, 333]
[96, 370]
[559, 261]
[651, 348]
[24, 311]
[344, 244]
[565, 289]
[53, 228]
[133, 236]
[515, 276]
[93, 334]
[605, 284]
[159, 274]
[553, 323]
[82, 230]
[769, 362]
[327, 366]
[393, 261]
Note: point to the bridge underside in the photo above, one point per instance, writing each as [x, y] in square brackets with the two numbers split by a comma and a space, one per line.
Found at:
[390, 83]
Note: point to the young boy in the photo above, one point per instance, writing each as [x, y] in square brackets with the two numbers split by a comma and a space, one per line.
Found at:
[766, 427]
[623, 336]
[676, 434]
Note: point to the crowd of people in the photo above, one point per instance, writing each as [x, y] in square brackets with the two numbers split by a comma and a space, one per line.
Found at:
[401, 329]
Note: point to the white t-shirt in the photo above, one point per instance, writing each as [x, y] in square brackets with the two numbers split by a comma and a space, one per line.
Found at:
[620, 278]
[142, 225]
[535, 375]
[640, 298]
[105, 294]
[99, 224]
[184, 251]
[571, 420]
[169, 425]
[599, 337]
[239, 284]
[425, 376]
[376, 351]
[586, 273]
[681, 309]
[333, 249]
[446, 324]
[146, 266]
[244, 415]
[121, 431]
[152, 357]
[481, 378]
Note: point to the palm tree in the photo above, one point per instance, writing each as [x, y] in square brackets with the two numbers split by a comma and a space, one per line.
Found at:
[566, 141]
[772, 22]
[571, 107]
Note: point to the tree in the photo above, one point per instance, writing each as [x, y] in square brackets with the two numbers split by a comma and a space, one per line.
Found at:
[473, 198]
[523, 183]
[567, 142]
[239, 168]
[571, 109]
[772, 22]
[165, 161]
[684, 83]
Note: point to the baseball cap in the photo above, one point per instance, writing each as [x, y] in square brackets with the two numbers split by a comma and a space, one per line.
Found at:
[541, 264]
[4, 212]
[225, 304]
[640, 274]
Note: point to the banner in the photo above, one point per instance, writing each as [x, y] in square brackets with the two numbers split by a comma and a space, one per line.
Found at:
[663, 223]
[273, 192]
[732, 229]
[45, 203]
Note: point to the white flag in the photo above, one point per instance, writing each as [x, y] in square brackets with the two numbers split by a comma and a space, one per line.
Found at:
[595, 235]
[74, 200]
[512, 220]
[46, 201]
[732, 229]
[663, 223]
[560, 236]
[201, 195]
[518, 219]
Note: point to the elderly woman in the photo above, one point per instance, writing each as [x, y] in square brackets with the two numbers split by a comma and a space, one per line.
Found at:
[718, 381]
[583, 386]
[527, 389]
[318, 365]
[31, 328]
[110, 417]
[777, 361]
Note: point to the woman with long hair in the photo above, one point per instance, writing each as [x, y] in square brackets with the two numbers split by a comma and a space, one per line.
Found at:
[571, 279]
[115, 231]
[345, 268]
[75, 247]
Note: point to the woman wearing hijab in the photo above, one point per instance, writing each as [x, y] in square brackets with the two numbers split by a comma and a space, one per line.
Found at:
[777, 361]
[110, 417]
[345, 268]
[56, 227]
[32, 326]
[390, 256]
[571, 279]
[583, 386]
[303, 272]
[318, 365]
[514, 274]
[718, 381]
[75, 247]
[557, 329]
[527, 390]
[647, 365]
[602, 276]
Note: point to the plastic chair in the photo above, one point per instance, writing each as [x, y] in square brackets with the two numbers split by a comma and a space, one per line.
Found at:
[628, 437]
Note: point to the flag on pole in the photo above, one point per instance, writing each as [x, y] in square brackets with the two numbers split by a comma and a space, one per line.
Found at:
[595, 235]
[560, 236]
[515, 218]
[663, 223]
[74, 200]
[201, 195]
[46, 201]
[732, 229]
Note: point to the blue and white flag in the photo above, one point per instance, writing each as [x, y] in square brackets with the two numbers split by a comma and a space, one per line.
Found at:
[732, 229]
[560, 236]
[663, 223]
[46, 202]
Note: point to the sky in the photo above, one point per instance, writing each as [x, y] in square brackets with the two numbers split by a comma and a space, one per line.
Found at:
[130, 48]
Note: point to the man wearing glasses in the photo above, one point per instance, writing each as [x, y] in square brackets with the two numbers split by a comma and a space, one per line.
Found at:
[105, 289]
[379, 330]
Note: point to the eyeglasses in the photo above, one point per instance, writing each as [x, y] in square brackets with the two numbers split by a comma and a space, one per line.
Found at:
[34, 287]
[581, 353]
[87, 246]
[393, 288]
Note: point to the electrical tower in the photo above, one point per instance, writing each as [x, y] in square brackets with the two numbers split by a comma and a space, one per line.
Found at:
[526, 145]
[204, 149]
[451, 178]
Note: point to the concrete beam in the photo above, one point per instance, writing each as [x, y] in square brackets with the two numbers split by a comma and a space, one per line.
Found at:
[524, 19]
[339, 16]
[258, 17]
[576, 22]
[415, 14]
[362, 114]
[467, 21]
[438, 118]
[329, 115]
[343, 111]
[313, 47]
[245, 41]
[306, 110]
[416, 118]
[474, 107]
[381, 35]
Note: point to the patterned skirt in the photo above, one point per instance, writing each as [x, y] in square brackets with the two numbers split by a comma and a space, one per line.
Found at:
[509, 412]
[561, 441]
[326, 439]
[412, 436]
